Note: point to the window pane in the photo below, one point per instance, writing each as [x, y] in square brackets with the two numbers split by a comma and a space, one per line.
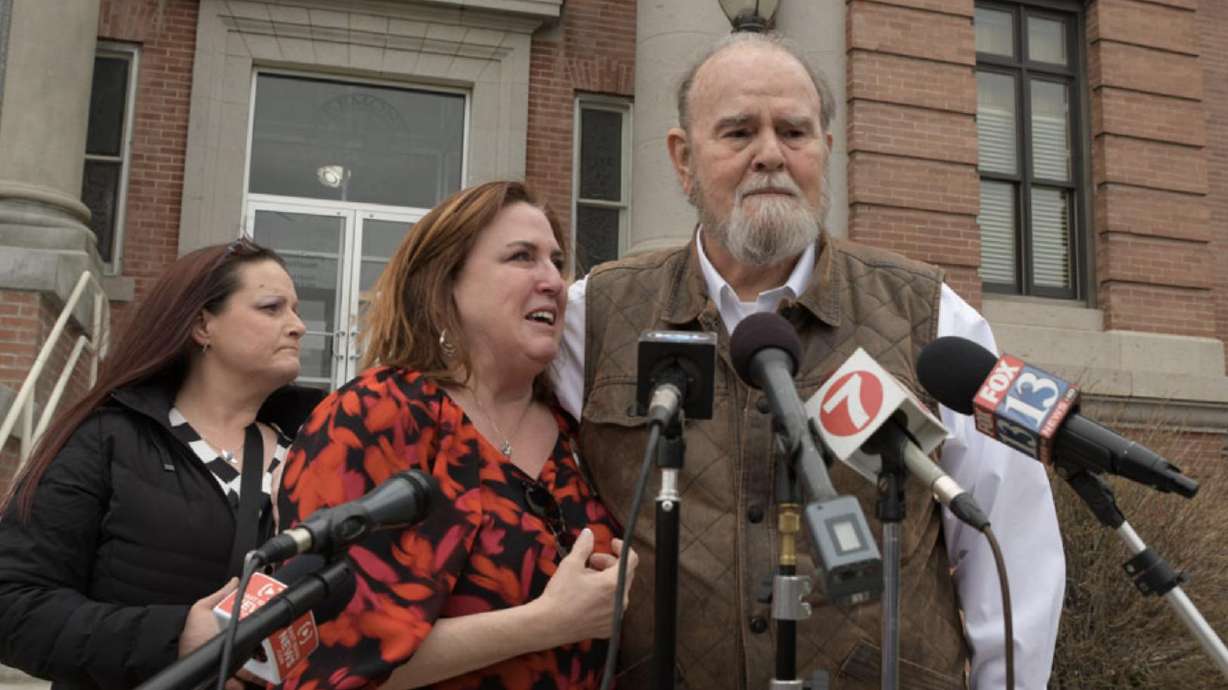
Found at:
[1050, 131]
[1050, 238]
[995, 32]
[100, 193]
[601, 153]
[997, 221]
[356, 142]
[316, 355]
[380, 238]
[311, 246]
[316, 281]
[995, 123]
[108, 96]
[299, 232]
[1047, 40]
[596, 236]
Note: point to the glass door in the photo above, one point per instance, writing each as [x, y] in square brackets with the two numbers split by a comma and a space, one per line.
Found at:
[313, 241]
[377, 234]
[334, 256]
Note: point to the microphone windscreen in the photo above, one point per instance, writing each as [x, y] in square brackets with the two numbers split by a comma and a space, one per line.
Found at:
[300, 567]
[952, 369]
[759, 331]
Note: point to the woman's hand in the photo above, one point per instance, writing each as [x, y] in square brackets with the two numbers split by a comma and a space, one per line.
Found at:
[579, 599]
[201, 626]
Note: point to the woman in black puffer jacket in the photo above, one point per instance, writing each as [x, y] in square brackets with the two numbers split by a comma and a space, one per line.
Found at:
[123, 530]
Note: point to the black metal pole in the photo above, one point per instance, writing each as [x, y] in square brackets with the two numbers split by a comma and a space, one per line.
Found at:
[889, 442]
[788, 524]
[670, 453]
[299, 598]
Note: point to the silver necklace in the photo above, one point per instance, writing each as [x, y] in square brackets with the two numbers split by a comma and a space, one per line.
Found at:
[505, 446]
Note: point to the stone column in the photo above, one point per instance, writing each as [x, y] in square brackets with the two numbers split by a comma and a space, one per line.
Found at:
[44, 112]
[669, 35]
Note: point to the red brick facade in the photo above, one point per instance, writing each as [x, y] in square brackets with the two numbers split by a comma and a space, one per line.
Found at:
[591, 50]
[1157, 74]
[913, 184]
[1213, 44]
[167, 39]
[1149, 157]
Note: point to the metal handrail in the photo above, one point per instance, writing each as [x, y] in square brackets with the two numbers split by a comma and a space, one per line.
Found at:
[23, 405]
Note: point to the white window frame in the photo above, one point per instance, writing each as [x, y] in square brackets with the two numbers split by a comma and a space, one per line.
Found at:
[621, 105]
[348, 79]
[133, 54]
[354, 213]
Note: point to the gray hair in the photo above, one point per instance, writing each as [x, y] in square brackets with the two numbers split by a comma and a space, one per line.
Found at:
[827, 101]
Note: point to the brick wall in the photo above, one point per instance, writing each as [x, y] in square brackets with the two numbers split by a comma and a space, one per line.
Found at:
[913, 185]
[591, 50]
[1213, 45]
[1154, 267]
[164, 85]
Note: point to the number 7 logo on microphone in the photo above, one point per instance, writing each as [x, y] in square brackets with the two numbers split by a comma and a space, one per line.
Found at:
[856, 401]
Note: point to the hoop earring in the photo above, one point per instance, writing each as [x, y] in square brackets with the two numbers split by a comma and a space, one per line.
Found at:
[204, 349]
[446, 346]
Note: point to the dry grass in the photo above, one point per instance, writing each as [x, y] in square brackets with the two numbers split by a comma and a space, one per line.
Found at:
[1111, 636]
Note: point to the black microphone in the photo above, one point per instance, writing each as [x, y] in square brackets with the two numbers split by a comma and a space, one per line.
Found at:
[674, 370]
[1035, 412]
[765, 351]
[400, 501]
[323, 588]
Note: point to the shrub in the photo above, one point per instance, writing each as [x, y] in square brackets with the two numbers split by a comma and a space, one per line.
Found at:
[1111, 636]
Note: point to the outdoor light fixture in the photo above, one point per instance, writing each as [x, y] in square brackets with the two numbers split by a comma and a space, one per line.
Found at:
[750, 15]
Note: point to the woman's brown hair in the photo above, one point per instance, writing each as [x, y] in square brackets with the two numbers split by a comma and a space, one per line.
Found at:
[413, 302]
[155, 346]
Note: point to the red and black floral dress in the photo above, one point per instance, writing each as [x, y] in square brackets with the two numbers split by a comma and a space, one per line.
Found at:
[482, 547]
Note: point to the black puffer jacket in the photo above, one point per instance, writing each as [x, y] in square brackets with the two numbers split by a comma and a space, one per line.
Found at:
[128, 530]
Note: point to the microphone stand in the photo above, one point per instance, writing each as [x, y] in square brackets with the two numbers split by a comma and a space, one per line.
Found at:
[889, 442]
[789, 590]
[1150, 572]
[201, 665]
[670, 451]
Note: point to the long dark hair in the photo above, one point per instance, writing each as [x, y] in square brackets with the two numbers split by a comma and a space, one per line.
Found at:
[155, 346]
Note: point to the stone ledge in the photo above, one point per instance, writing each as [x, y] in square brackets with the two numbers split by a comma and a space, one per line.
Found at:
[1123, 362]
[538, 8]
[56, 273]
[1128, 378]
[1032, 311]
[12, 679]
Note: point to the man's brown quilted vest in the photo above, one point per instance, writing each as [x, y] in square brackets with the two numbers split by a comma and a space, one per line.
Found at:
[859, 297]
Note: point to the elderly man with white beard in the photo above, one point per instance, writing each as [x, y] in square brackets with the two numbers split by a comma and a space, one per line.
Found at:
[751, 152]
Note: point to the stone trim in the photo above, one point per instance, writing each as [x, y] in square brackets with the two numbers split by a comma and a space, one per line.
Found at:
[482, 47]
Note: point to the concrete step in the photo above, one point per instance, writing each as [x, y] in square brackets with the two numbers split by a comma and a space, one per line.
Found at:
[12, 679]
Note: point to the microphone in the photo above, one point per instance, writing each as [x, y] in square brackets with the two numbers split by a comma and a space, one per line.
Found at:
[400, 501]
[314, 589]
[860, 405]
[283, 651]
[674, 369]
[1035, 412]
[765, 351]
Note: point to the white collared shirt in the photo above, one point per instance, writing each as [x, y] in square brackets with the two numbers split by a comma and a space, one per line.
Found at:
[732, 308]
[1011, 487]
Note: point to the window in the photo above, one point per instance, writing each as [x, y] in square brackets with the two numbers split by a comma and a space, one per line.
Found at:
[1028, 85]
[602, 179]
[339, 173]
[104, 184]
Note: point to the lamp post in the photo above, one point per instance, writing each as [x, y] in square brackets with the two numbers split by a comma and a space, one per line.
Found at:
[750, 15]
